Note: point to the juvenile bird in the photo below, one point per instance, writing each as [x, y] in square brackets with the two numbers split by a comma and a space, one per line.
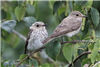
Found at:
[36, 35]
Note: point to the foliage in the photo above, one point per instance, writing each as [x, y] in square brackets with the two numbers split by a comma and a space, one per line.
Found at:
[20, 15]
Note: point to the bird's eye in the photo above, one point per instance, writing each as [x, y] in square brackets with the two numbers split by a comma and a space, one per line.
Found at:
[77, 15]
[37, 25]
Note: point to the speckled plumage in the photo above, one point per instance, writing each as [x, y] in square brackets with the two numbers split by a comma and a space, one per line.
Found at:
[36, 36]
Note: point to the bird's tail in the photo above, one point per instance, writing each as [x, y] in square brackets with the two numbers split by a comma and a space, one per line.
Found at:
[47, 40]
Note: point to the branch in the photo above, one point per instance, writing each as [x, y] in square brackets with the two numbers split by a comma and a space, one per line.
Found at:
[22, 60]
[30, 54]
[84, 53]
[20, 35]
[38, 50]
[62, 43]
[24, 38]
[97, 63]
[77, 41]
[79, 57]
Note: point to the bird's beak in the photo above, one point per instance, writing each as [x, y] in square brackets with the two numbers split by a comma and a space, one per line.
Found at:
[45, 25]
[84, 16]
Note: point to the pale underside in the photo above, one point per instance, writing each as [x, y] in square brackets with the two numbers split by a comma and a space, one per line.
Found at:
[69, 26]
[35, 40]
[70, 34]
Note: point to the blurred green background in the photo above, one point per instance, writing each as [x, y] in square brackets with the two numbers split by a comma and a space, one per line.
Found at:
[12, 46]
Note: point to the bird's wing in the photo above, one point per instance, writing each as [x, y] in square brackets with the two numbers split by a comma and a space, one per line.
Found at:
[27, 40]
[67, 25]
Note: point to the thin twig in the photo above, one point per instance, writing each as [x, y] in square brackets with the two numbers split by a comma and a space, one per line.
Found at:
[77, 41]
[84, 53]
[79, 57]
[96, 64]
[24, 38]
[29, 55]
[38, 50]
[45, 47]
[22, 60]
[20, 35]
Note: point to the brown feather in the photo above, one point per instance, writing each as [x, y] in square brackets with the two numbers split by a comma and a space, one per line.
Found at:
[69, 24]
[26, 44]
[66, 26]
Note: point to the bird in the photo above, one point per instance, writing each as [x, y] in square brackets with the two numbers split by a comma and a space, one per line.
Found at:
[36, 35]
[69, 26]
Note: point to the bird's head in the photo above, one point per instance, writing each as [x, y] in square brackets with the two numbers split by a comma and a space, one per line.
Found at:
[38, 25]
[77, 14]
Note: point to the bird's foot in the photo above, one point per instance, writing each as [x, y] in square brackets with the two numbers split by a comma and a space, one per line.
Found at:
[73, 41]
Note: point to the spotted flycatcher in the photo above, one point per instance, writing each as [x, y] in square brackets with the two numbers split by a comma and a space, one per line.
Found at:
[69, 26]
[36, 35]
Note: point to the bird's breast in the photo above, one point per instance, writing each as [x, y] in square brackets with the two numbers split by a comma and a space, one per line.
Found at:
[70, 34]
[35, 41]
[34, 44]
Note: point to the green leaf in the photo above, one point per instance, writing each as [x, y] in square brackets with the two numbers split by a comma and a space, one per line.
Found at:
[86, 61]
[98, 57]
[82, 49]
[2, 65]
[76, 7]
[68, 51]
[20, 12]
[95, 16]
[29, 20]
[62, 16]
[52, 2]
[88, 4]
[30, 9]
[56, 6]
[8, 25]
[22, 57]
[14, 41]
[53, 49]
[95, 51]
[93, 55]
[33, 62]
[3, 14]
[61, 10]
[91, 46]
[20, 2]
[86, 27]
[82, 3]
[46, 65]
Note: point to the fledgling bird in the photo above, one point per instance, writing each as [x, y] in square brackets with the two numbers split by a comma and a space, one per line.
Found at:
[36, 35]
[69, 26]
